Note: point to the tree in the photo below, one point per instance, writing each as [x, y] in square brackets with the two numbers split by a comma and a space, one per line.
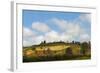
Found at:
[69, 51]
[84, 46]
[73, 42]
[44, 41]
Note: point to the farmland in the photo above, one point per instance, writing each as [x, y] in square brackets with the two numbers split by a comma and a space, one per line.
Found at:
[56, 51]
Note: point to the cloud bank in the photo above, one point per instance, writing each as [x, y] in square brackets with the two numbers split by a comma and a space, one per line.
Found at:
[70, 30]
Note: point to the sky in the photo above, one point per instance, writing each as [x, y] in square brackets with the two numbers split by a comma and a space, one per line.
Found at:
[55, 26]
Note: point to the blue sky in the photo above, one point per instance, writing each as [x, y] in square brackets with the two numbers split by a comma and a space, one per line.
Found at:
[44, 22]
[30, 16]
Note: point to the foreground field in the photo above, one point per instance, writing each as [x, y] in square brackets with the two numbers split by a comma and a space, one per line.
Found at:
[55, 58]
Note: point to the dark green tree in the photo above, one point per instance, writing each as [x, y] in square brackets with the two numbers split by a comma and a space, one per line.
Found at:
[84, 47]
[44, 41]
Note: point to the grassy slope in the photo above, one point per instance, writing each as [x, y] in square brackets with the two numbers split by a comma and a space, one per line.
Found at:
[33, 58]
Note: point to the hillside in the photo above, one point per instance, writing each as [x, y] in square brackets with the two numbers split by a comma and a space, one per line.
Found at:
[61, 50]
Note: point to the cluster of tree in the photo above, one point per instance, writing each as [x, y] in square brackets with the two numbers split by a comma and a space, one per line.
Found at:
[85, 47]
[72, 42]
[51, 43]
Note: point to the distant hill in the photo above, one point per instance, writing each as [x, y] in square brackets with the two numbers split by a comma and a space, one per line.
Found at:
[52, 44]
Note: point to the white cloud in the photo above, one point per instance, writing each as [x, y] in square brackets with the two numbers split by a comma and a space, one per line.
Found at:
[71, 30]
[66, 37]
[74, 29]
[38, 39]
[28, 32]
[41, 27]
[52, 36]
[28, 35]
[84, 37]
[49, 37]
[85, 17]
[55, 36]
[27, 43]
[60, 23]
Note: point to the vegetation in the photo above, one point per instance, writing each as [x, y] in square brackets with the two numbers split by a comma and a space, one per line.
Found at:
[54, 51]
